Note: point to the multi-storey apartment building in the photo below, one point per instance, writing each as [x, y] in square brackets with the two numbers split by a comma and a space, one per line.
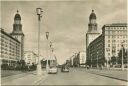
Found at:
[114, 35]
[10, 48]
[108, 44]
[12, 45]
[96, 52]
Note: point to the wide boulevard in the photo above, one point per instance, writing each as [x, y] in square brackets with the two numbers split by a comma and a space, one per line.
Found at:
[76, 76]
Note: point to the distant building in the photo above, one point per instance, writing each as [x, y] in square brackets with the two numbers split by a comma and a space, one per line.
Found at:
[18, 33]
[10, 48]
[108, 44]
[76, 60]
[71, 60]
[82, 57]
[30, 57]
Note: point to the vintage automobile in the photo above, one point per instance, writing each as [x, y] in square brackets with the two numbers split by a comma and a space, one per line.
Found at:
[53, 70]
[65, 68]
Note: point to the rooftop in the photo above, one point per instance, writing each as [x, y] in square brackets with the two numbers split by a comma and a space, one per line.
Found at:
[117, 24]
[2, 31]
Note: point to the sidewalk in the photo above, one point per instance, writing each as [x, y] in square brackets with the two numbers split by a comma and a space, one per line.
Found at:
[115, 74]
[29, 78]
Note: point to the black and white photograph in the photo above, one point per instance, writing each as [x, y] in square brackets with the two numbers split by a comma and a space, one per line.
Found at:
[63, 43]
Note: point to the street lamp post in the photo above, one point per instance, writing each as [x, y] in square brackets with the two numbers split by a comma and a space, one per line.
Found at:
[107, 49]
[51, 51]
[122, 62]
[50, 48]
[47, 37]
[39, 14]
[91, 60]
[97, 59]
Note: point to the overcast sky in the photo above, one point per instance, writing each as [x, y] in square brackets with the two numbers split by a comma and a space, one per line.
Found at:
[67, 22]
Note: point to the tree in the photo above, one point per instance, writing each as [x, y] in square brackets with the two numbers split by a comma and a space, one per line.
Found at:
[125, 56]
[22, 62]
[113, 60]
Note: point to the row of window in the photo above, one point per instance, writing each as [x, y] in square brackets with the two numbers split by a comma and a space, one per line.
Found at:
[9, 53]
[10, 49]
[9, 40]
[116, 28]
[9, 57]
[3, 43]
[117, 41]
[111, 52]
[116, 32]
[125, 45]
[13, 52]
[117, 36]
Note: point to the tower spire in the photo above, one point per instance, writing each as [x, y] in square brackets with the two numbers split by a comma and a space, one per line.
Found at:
[17, 32]
[17, 11]
[17, 26]
[92, 11]
[92, 29]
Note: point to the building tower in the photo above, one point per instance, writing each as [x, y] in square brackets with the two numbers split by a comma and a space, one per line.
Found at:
[92, 32]
[17, 33]
[91, 35]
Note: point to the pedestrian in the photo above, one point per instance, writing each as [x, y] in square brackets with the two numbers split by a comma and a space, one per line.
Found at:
[87, 67]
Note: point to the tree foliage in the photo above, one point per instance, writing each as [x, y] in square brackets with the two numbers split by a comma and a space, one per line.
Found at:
[123, 52]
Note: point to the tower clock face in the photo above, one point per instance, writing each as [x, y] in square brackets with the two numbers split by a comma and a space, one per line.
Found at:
[93, 21]
[17, 21]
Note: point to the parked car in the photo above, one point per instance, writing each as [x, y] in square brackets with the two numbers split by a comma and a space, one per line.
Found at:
[65, 68]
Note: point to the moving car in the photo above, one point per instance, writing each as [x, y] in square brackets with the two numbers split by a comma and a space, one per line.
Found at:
[53, 70]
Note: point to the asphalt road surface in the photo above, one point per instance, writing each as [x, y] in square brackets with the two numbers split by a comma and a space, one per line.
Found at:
[78, 76]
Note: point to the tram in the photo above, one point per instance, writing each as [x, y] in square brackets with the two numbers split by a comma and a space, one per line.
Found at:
[51, 65]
